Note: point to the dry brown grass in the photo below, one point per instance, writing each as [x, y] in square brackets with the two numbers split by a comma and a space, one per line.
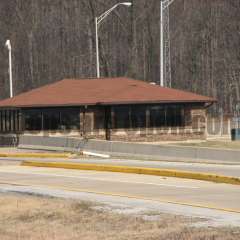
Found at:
[38, 218]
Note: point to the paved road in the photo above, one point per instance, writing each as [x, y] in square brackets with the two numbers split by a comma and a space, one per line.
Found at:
[178, 192]
[220, 169]
[226, 170]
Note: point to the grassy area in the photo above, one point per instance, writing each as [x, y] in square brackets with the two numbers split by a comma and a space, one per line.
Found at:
[214, 144]
[38, 218]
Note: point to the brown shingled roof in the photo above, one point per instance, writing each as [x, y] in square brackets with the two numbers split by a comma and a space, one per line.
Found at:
[105, 91]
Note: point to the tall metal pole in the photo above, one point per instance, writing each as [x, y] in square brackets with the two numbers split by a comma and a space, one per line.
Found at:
[97, 49]
[161, 46]
[9, 47]
[165, 64]
[98, 21]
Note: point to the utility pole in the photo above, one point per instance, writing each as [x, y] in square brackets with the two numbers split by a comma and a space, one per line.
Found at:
[165, 48]
[9, 47]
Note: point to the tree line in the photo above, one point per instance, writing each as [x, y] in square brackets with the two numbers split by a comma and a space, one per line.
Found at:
[55, 39]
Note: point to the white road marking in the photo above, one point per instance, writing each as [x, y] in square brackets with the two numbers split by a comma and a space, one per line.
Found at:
[97, 179]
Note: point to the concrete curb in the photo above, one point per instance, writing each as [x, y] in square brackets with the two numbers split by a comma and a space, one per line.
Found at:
[35, 155]
[136, 170]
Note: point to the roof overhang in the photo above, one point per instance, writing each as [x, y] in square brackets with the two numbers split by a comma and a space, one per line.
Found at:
[101, 92]
[208, 104]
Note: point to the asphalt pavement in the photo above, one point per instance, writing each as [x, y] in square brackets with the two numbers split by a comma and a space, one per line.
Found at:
[190, 196]
[217, 168]
[219, 202]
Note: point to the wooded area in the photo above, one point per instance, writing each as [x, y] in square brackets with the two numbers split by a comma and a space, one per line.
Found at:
[55, 39]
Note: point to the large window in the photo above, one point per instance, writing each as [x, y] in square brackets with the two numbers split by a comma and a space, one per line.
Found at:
[138, 116]
[174, 116]
[33, 120]
[70, 119]
[122, 117]
[9, 121]
[52, 119]
[167, 116]
[129, 117]
[157, 116]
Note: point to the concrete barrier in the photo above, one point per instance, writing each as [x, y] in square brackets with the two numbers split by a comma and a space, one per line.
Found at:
[124, 148]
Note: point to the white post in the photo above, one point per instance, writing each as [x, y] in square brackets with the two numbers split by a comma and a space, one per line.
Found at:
[161, 46]
[97, 49]
[8, 45]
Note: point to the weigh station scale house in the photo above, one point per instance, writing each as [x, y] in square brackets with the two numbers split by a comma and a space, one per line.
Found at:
[107, 108]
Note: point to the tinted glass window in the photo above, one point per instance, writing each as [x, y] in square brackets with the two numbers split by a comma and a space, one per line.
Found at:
[138, 116]
[33, 120]
[157, 116]
[70, 119]
[174, 116]
[121, 117]
[53, 119]
[167, 116]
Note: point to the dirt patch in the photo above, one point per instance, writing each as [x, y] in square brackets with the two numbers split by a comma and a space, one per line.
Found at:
[31, 217]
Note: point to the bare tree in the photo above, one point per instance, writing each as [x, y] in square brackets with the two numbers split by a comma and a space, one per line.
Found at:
[56, 39]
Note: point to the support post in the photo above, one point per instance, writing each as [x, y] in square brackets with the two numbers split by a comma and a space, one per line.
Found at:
[108, 123]
[42, 121]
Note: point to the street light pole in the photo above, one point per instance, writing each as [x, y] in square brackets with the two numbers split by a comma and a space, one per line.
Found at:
[97, 49]
[9, 47]
[98, 21]
[161, 46]
[164, 4]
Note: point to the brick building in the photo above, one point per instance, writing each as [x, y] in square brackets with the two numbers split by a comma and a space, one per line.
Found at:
[107, 108]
